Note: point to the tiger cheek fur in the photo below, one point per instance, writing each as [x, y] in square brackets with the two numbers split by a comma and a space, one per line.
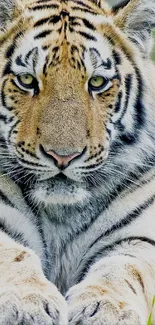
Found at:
[77, 162]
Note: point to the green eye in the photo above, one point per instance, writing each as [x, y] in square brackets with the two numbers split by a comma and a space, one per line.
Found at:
[97, 82]
[26, 80]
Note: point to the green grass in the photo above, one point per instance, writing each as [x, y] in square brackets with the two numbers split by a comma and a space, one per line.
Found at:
[149, 322]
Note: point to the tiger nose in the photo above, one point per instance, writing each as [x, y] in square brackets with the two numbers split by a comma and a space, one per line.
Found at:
[62, 160]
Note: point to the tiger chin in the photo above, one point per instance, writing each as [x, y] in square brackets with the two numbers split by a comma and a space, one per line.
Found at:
[77, 162]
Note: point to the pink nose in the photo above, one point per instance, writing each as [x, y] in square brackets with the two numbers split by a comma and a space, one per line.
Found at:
[62, 160]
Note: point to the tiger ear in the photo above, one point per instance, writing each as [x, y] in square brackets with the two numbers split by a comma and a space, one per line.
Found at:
[6, 11]
[9, 9]
[137, 19]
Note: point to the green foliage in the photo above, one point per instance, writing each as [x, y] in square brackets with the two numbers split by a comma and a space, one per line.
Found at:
[149, 322]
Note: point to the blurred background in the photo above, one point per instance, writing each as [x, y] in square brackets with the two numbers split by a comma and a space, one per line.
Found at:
[153, 52]
[113, 2]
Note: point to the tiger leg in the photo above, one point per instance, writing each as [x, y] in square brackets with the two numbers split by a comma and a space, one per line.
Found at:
[26, 296]
[117, 289]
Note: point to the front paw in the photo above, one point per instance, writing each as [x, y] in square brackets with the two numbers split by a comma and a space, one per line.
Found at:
[28, 305]
[92, 305]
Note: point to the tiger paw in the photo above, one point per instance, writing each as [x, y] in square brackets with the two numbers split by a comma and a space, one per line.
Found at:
[91, 305]
[29, 305]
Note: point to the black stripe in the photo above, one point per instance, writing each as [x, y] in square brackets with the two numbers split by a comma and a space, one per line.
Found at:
[12, 233]
[116, 57]
[140, 238]
[129, 240]
[127, 220]
[10, 51]
[139, 119]
[2, 93]
[45, 47]
[108, 131]
[106, 249]
[45, 65]
[20, 62]
[107, 65]
[90, 166]
[30, 163]
[27, 56]
[3, 118]
[4, 228]
[90, 11]
[41, 1]
[44, 69]
[47, 262]
[140, 109]
[7, 69]
[87, 24]
[87, 36]
[118, 102]
[42, 34]
[129, 138]
[139, 113]
[55, 19]
[42, 22]
[83, 5]
[44, 6]
[128, 85]
[5, 199]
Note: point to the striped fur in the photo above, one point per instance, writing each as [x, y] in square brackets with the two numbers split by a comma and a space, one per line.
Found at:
[87, 226]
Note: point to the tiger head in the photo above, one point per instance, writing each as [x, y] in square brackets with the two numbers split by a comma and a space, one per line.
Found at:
[71, 90]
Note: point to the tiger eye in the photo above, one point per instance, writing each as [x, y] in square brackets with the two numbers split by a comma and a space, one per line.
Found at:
[26, 79]
[97, 82]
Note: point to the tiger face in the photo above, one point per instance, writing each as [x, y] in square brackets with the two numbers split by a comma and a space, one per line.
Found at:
[67, 72]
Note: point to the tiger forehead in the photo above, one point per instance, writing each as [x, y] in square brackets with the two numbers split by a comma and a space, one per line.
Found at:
[63, 30]
[71, 53]
[64, 21]
[60, 32]
[66, 7]
[67, 16]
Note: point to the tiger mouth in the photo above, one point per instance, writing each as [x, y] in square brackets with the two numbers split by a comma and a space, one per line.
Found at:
[59, 179]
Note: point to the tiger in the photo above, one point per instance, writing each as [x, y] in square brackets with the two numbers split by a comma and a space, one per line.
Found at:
[77, 162]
